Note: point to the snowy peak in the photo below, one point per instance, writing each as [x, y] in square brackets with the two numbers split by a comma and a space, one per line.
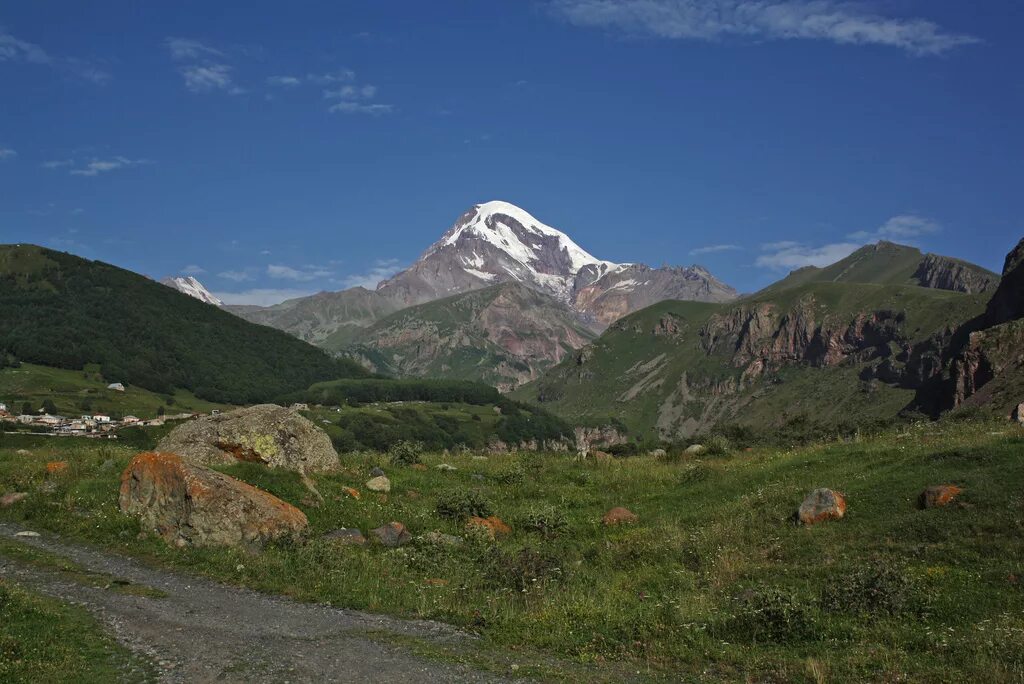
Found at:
[193, 288]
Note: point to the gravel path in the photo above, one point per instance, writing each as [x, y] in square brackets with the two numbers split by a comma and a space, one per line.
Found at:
[203, 631]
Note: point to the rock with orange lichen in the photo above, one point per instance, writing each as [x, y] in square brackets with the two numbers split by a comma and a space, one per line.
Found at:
[821, 505]
[494, 527]
[191, 505]
[56, 467]
[351, 492]
[619, 516]
[938, 495]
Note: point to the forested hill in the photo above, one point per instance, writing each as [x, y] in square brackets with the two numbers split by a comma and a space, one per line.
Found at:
[60, 310]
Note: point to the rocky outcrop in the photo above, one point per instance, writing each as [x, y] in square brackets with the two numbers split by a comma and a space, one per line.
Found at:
[272, 435]
[589, 438]
[1007, 303]
[944, 273]
[821, 505]
[187, 504]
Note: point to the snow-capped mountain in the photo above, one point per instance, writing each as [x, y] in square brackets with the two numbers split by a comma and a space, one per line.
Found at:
[499, 242]
[193, 288]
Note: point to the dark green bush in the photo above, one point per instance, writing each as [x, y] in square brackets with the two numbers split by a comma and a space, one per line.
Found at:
[405, 453]
[770, 614]
[878, 588]
[544, 519]
[459, 504]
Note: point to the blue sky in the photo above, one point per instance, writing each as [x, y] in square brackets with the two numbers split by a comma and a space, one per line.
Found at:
[276, 149]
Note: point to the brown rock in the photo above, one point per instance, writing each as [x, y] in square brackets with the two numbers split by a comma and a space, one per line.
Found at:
[393, 534]
[346, 536]
[379, 484]
[56, 467]
[494, 527]
[939, 495]
[352, 492]
[820, 505]
[12, 498]
[619, 516]
[190, 505]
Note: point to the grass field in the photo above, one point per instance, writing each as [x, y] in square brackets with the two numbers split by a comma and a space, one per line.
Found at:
[714, 583]
[85, 392]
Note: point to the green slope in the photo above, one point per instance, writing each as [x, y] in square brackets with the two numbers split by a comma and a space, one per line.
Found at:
[63, 311]
[825, 351]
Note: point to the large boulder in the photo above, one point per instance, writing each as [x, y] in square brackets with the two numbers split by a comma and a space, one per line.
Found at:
[275, 436]
[821, 505]
[938, 496]
[191, 505]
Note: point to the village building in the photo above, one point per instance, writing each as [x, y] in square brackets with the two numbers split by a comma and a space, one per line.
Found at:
[116, 386]
[130, 420]
[100, 418]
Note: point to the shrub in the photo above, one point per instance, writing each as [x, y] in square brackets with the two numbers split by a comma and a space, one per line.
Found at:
[770, 614]
[520, 570]
[544, 519]
[877, 588]
[717, 445]
[514, 475]
[405, 453]
[463, 503]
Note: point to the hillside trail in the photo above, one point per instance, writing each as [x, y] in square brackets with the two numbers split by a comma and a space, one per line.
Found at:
[204, 631]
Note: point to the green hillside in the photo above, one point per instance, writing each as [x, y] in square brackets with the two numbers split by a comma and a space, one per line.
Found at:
[825, 352]
[887, 263]
[63, 311]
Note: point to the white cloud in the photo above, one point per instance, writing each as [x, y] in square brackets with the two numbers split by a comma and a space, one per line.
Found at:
[382, 270]
[203, 78]
[902, 227]
[7, 153]
[95, 167]
[261, 297]
[87, 71]
[57, 163]
[13, 49]
[361, 108]
[185, 49]
[193, 269]
[339, 76]
[303, 274]
[284, 81]
[712, 249]
[236, 276]
[786, 256]
[841, 22]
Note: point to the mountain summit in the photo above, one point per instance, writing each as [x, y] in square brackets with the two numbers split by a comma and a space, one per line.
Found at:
[193, 288]
[498, 242]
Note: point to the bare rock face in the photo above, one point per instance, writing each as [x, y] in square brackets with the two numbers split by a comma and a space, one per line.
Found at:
[275, 436]
[191, 505]
[943, 273]
[821, 505]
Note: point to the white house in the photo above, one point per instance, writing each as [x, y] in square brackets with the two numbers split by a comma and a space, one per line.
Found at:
[3, 406]
[26, 418]
[116, 386]
[100, 418]
[49, 420]
[129, 420]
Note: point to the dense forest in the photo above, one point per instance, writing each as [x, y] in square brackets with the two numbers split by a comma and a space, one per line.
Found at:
[64, 311]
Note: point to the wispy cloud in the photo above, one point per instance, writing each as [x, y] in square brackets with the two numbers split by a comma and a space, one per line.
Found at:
[902, 227]
[7, 153]
[356, 99]
[204, 68]
[303, 274]
[95, 167]
[261, 297]
[13, 49]
[193, 269]
[284, 81]
[186, 48]
[382, 270]
[236, 276]
[838, 21]
[713, 249]
[361, 108]
[203, 78]
[785, 256]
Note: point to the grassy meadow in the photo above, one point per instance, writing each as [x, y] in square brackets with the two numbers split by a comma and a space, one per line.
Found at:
[713, 583]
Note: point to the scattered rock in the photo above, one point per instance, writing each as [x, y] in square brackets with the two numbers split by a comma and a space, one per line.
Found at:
[351, 492]
[695, 449]
[56, 467]
[191, 505]
[346, 536]
[1018, 413]
[393, 534]
[12, 498]
[442, 539]
[659, 453]
[273, 435]
[446, 467]
[26, 533]
[377, 472]
[619, 516]
[821, 505]
[938, 495]
[23, 452]
[494, 527]
[379, 484]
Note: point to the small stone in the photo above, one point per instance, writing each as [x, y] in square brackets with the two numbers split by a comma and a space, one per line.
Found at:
[12, 498]
[494, 527]
[351, 492]
[619, 516]
[23, 452]
[393, 534]
[442, 539]
[377, 472]
[379, 484]
[659, 453]
[346, 536]
[446, 467]
[821, 505]
[695, 449]
[56, 467]
[938, 495]
[26, 533]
